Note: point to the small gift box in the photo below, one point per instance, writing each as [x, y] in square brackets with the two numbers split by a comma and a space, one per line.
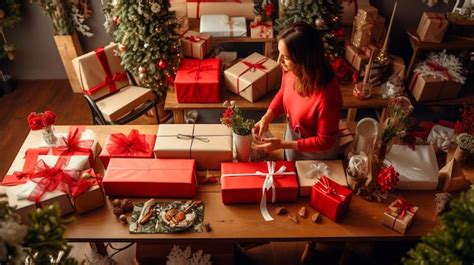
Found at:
[366, 13]
[133, 145]
[350, 8]
[196, 45]
[428, 88]
[197, 81]
[87, 194]
[209, 144]
[399, 215]
[253, 77]
[418, 168]
[223, 26]
[309, 171]
[361, 34]
[100, 71]
[244, 182]
[261, 30]
[233, 8]
[357, 58]
[150, 177]
[330, 198]
[432, 27]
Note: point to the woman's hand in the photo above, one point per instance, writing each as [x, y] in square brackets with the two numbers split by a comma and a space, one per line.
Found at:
[262, 125]
[269, 145]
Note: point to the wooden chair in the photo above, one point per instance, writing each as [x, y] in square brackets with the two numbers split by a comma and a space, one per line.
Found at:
[111, 93]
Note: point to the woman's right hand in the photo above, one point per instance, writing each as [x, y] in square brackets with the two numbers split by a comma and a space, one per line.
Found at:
[260, 127]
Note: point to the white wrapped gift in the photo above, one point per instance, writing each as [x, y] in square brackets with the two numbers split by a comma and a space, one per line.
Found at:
[223, 26]
[441, 138]
[418, 168]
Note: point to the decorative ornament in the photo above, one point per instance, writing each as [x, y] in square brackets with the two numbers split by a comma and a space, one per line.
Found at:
[269, 9]
[162, 64]
[141, 69]
[382, 57]
[116, 20]
[142, 76]
[320, 22]
[158, 29]
[335, 18]
[146, 45]
[155, 8]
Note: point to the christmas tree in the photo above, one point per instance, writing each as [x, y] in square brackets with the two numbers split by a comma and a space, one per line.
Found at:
[324, 14]
[453, 241]
[146, 32]
[9, 15]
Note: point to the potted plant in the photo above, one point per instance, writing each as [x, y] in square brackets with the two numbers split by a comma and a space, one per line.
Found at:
[67, 18]
[9, 15]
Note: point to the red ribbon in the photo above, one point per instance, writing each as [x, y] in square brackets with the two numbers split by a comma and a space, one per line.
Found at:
[48, 178]
[403, 207]
[85, 183]
[436, 17]
[132, 145]
[435, 67]
[73, 143]
[198, 68]
[324, 186]
[110, 78]
[196, 39]
[209, 1]
[253, 66]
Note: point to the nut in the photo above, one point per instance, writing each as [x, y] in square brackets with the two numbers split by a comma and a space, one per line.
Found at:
[127, 205]
[123, 218]
[280, 210]
[316, 217]
[207, 227]
[293, 218]
[118, 211]
[116, 202]
[303, 212]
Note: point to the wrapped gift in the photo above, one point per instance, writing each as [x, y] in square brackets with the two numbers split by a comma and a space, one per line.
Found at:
[330, 198]
[350, 8]
[244, 182]
[16, 175]
[418, 168]
[452, 177]
[261, 30]
[361, 34]
[253, 77]
[309, 171]
[432, 27]
[228, 58]
[196, 45]
[209, 144]
[357, 58]
[133, 145]
[181, 10]
[100, 72]
[233, 8]
[398, 66]
[399, 215]
[87, 193]
[223, 26]
[150, 177]
[197, 81]
[78, 141]
[366, 13]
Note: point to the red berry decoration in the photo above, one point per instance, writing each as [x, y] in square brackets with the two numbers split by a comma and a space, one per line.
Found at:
[387, 179]
[162, 64]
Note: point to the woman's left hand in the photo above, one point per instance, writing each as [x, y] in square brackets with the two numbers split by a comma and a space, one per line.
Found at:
[269, 145]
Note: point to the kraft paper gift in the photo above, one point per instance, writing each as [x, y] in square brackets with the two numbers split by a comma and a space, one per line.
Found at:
[223, 26]
[357, 58]
[309, 171]
[196, 45]
[432, 27]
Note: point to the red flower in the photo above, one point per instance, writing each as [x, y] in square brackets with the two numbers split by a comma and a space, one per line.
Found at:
[48, 118]
[228, 113]
[269, 9]
[34, 121]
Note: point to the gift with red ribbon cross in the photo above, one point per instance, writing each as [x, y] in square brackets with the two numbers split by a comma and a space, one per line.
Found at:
[432, 27]
[330, 198]
[87, 192]
[253, 77]
[197, 81]
[133, 145]
[399, 215]
[196, 45]
[261, 30]
[79, 141]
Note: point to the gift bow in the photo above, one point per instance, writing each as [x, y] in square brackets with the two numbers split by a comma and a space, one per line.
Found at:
[441, 140]
[401, 207]
[192, 137]
[324, 186]
[132, 145]
[193, 38]
[436, 67]
[317, 170]
[72, 142]
[252, 67]
[110, 78]
[85, 183]
[268, 183]
[198, 68]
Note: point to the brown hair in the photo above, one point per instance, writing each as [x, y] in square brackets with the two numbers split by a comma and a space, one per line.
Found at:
[306, 50]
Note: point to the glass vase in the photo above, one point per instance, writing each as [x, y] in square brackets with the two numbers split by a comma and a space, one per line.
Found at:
[243, 146]
[381, 149]
[48, 135]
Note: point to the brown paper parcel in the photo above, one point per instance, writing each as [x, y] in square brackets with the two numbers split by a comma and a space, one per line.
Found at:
[249, 82]
[432, 27]
[209, 144]
[90, 72]
[429, 88]
[196, 45]
[357, 58]
[393, 220]
[89, 200]
[303, 167]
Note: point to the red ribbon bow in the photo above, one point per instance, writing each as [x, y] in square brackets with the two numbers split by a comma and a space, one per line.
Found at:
[132, 145]
[324, 186]
[403, 207]
[252, 66]
[193, 38]
[198, 68]
[110, 78]
[73, 143]
[85, 183]
[436, 67]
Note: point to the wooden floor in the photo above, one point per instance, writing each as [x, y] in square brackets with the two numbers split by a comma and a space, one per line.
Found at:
[56, 95]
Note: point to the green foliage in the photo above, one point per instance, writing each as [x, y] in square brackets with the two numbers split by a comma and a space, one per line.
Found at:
[147, 33]
[264, 8]
[58, 12]
[310, 10]
[9, 15]
[453, 241]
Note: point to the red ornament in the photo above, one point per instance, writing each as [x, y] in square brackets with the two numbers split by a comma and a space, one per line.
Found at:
[116, 19]
[162, 64]
[387, 179]
[339, 33]
[341, 68]
[269, 9]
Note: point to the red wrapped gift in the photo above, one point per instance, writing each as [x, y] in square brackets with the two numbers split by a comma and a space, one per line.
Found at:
[87, 193]
[133, 145]
[197, 81]
[244, 183]
[142, 177]
[31, 157]
[330, 198]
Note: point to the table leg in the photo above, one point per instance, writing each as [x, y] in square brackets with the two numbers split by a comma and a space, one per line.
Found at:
[268, 49]
[307, 255]
[99, 247]
[351, 114]
[178, 116]
[411, 65]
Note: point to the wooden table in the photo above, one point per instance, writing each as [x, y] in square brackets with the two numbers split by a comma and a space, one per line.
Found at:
[240, 223]
[349, 102]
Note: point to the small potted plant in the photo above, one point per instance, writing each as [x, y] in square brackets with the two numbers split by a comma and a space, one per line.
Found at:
[241, 130]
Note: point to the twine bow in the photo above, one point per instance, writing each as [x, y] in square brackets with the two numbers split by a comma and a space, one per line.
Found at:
[132, 145]
[324, 186]
[317, 170]
[192, 137]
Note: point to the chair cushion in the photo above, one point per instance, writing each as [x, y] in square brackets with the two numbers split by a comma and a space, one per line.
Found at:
[121, 103]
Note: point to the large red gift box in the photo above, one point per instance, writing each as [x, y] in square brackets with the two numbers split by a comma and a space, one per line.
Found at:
[243, 182]
[330, 198]
[133, 145]
[197, 81]
[143, 177]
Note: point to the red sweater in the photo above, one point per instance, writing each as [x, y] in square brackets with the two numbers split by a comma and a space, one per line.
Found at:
[317, 115]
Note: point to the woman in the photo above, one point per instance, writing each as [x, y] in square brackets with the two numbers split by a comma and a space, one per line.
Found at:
[309, 95]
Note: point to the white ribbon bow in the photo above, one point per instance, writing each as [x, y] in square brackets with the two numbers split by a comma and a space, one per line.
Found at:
[317, 170]
[358, 166]
[441, 140]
